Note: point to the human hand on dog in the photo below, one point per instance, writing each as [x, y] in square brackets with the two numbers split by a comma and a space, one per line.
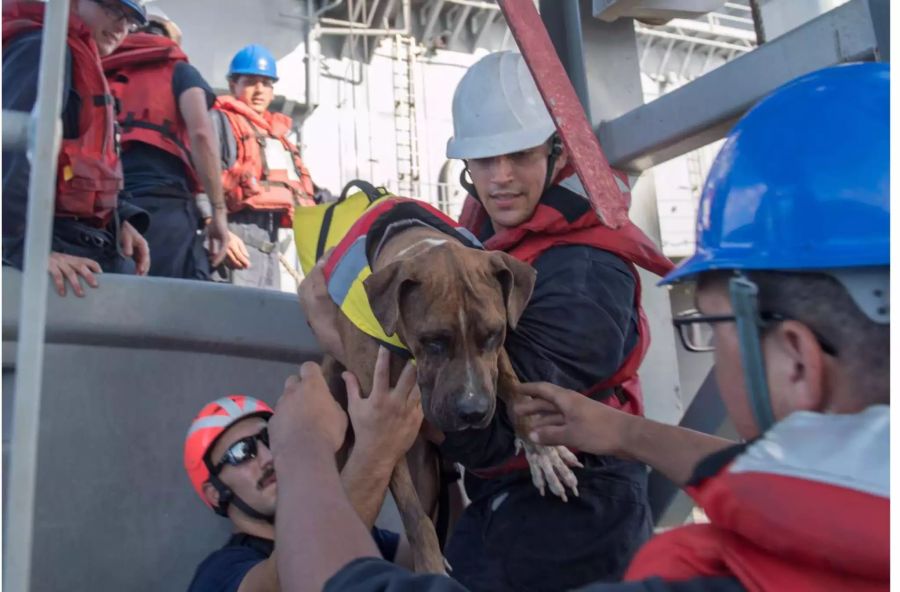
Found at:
[387, 422]
[307, 414]
[320, 310]
[559, 416]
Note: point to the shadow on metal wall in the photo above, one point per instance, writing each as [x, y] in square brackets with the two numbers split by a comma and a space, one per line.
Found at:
[126, 369]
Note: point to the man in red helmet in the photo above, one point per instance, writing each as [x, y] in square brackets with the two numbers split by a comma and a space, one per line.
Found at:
[229, 462]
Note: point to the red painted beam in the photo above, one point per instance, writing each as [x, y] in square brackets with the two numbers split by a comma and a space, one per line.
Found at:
[585, 153]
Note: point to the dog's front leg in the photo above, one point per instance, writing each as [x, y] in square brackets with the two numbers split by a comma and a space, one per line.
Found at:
[550, 465]
[423, 541]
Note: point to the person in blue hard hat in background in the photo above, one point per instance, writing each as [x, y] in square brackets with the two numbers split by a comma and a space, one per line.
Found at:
[792, 292]
[93, 230]
[264, 178]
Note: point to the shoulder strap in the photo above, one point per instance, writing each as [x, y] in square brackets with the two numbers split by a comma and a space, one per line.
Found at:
[370, 190]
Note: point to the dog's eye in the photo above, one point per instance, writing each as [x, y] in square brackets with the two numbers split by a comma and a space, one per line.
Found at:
[435, 347]
[492, 341]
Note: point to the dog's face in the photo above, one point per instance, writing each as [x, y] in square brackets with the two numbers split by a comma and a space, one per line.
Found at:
[451, 306]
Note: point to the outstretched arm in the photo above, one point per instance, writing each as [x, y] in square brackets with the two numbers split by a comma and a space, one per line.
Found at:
[563, 417]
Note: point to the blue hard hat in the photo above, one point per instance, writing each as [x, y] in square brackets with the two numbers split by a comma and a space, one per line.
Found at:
[137, 9]
[803, 180]
[255, 60]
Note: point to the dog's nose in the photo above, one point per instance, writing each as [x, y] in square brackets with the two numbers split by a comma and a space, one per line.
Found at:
[472, 409]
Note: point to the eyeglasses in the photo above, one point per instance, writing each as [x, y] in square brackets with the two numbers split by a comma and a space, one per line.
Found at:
[696, 329]
[242, 450]
[118, 12]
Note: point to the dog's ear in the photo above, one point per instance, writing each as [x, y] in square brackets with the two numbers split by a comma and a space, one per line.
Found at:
[384, 289]
[517, 280]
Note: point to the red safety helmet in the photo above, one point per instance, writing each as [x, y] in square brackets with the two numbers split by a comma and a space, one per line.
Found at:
[210, 423]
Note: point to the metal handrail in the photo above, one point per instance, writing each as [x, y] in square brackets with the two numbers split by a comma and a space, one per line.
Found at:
[30, 352]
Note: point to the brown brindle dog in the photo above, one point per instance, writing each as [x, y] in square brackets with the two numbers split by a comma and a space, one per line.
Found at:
[450, 305]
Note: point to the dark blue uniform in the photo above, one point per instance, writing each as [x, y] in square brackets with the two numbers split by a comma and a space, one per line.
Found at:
[225, 569]
[158, 182]
[577, 329]
[375, 575]
[20, 77]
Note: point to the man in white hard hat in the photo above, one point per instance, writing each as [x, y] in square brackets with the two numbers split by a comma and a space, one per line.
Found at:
[583, 329]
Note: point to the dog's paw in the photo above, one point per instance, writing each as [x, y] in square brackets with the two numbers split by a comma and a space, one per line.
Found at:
[550, 466]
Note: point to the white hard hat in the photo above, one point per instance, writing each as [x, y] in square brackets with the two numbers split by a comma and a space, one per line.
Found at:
[497, 109]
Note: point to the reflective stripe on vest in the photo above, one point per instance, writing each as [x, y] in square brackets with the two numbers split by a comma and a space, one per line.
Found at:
[348, 266]
[248, 182]
[804, 507]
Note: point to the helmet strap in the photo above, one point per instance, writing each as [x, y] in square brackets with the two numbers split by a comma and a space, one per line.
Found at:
[467, 184]
[745, 305]
[227, 497]
[556, 147]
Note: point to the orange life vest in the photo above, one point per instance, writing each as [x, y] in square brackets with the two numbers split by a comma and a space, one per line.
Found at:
[249, 183]
[89, 176]
[806, 508]
[565, 217]
[140, 76]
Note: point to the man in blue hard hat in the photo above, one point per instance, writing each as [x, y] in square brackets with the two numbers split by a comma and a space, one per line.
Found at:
[792, 293]
[93, 231]
[264, 178]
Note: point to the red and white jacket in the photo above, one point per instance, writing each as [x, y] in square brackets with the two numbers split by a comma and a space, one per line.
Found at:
[805, 507]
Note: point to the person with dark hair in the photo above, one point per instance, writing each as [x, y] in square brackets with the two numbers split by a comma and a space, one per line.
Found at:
[228, 459]
[792, 270]
[583, 328]
[263, 177]
[170, 153]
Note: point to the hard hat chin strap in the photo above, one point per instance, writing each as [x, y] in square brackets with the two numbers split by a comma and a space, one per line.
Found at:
[466, 183]
[556, 148]
[227, 497]
[745, 305]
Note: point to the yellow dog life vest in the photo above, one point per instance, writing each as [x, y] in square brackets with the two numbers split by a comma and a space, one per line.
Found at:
[355, 226]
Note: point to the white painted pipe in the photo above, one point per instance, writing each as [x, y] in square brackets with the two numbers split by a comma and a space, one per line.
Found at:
[33, 316]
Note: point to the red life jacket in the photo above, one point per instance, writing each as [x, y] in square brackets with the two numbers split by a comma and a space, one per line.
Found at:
[564, 217]
[140, 76]
[249, 182]
[805, 508]
[89, 174]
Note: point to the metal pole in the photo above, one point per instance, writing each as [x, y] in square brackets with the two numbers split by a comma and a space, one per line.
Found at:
[575, 53]
[33, 315]
[562, 20]
[16, 125]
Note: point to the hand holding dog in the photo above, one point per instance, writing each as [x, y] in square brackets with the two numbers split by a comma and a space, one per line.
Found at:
[388, 421]
[307, 414]
[560, 416]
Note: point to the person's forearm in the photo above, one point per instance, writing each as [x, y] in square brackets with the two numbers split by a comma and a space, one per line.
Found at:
[263, 577]
[672, 450]
[317, 526]
[366, 481]
[205, 153]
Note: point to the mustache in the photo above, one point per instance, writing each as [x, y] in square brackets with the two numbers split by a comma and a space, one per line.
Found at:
[267, 474]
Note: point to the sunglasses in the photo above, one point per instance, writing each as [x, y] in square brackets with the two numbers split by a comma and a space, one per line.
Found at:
[242, 450]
